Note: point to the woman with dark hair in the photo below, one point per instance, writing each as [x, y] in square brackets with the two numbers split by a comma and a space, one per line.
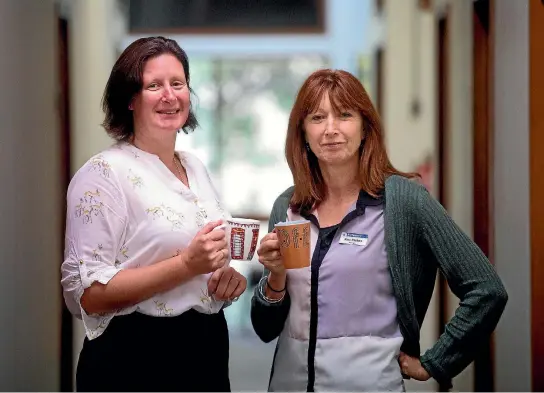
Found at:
[351, 320]
[145, 265]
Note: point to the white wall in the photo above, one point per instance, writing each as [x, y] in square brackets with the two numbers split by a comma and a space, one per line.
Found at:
[30, 199]
[512, 236]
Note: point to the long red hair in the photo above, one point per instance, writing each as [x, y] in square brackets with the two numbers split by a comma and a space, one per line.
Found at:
[346, 93]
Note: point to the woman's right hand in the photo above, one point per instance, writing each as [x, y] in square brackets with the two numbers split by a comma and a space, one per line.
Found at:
[269, 254]
[208, 251]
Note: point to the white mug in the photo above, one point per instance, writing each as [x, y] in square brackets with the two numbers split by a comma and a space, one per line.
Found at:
[242, 236]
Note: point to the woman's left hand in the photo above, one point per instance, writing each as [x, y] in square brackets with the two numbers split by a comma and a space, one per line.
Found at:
[226, 284]
[411, 367]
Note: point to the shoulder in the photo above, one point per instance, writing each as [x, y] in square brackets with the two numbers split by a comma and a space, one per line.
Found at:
[281, 204]
[408, 197]
[194, 162]
[102, 168]
[284, 198]
[405, 190]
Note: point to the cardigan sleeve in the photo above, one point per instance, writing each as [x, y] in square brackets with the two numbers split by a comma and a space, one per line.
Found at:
[472, 278]
[267, 318]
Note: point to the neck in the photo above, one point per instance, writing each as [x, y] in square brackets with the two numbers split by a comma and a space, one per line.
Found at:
[342, 181]
[164, 148]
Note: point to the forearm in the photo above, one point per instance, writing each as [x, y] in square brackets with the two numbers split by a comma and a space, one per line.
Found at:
[132, 286]
[473, 322]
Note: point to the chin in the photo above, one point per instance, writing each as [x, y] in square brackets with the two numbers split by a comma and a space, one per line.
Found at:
[336, 159]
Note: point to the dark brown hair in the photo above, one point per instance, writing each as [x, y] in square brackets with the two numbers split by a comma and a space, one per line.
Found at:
[125, 82]
[345, 93]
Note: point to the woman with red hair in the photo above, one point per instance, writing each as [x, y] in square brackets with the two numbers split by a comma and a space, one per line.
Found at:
[351, 320]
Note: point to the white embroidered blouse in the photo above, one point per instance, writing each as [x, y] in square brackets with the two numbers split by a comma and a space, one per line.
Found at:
[126, 209]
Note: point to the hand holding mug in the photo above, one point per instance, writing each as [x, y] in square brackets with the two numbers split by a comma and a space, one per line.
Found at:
[269, 254]
[208, 251]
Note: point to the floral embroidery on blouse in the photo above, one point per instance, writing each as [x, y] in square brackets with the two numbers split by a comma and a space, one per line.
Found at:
[124, 252]
[206, 299]
[96, 253]
[175, 218]
[89, 206]
[100, 165]
[136, 180]
[162, 308]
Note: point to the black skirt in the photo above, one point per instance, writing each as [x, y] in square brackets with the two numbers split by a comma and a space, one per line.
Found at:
[136, 352]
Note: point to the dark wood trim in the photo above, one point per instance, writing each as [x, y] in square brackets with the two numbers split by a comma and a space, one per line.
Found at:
[443, 141]
[66, 350]
[380, 81]
[319, 28]
[536, 165]
[232, 31]
[483, 163]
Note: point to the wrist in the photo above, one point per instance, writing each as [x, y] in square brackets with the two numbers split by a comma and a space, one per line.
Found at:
[275, 285]
[185, 269]
[273, 288]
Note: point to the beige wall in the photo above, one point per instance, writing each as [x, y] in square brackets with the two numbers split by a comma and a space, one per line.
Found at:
[511, 181]
[30, 198]
[96, 31]
[411, 71]
[460, 124]
[97, 28]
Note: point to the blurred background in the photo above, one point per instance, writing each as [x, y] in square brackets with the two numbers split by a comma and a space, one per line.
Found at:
[458, 84]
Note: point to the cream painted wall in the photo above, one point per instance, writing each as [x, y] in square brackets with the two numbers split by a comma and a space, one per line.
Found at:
[30, 198]
[96, 29]
[512, 185]
[410, 139]
[460, 187]
[411, 50]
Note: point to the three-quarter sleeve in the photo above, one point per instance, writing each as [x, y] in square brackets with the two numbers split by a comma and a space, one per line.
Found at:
[95, 228]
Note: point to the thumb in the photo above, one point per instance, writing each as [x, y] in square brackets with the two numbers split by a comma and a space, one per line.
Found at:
[213, 282]
[210, 227]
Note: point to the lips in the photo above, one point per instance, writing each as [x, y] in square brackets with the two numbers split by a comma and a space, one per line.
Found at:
[168, 111]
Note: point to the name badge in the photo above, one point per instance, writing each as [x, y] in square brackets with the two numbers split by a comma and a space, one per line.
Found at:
[357, 239]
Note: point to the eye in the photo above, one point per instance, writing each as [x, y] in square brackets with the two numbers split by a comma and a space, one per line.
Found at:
[316, 117]
[153, 86]
[345, 115]
[178, 84]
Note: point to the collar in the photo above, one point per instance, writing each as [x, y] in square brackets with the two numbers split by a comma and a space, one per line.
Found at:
[363, 201]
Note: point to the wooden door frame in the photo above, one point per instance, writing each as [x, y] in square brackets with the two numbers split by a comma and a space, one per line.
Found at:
[536, 181]
[443, 146]
[483, 223]
[63, 105]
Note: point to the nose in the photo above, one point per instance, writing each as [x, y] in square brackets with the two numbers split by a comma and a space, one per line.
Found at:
[330, 124]
[168, 94]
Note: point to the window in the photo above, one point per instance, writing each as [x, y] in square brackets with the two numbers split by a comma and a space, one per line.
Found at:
[243, 107]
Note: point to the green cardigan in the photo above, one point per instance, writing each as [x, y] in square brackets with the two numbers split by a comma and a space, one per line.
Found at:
[420, 238]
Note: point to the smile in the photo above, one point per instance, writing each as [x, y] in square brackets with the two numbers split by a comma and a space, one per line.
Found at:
[169, 112]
